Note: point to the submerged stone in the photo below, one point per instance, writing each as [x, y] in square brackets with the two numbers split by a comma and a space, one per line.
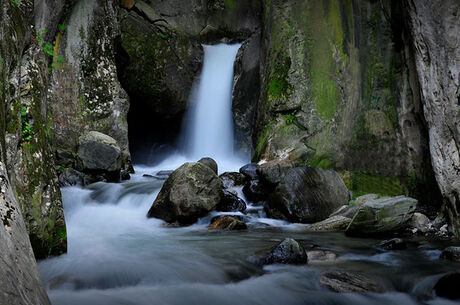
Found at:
[340, 281]
[227, 223]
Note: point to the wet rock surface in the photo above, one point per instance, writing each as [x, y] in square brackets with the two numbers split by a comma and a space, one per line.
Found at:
[190, 192]
[289, 251]
[230, 203]
[451, 254]
[229, 223]
[392, 244]
[382, 216]
[341, 281]
[308, 195]
[447, 286]
[232, 179]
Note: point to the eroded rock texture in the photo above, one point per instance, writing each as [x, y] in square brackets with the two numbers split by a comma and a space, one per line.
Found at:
[434, 28]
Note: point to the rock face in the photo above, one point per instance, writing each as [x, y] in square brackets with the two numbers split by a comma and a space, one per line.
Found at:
[334, 94]
[348, 282]
[227, 223]
[382, 216]
[246, 78]
[273, 171]
[190, 192]
[289, 251]
[447, 286]
[84, 90]
[451, 254]
[434, 41]
[100, 154]
[307, 195]
[20, 282]
[27, 133]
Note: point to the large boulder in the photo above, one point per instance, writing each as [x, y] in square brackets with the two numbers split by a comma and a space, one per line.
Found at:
[100, 154]
[271, 172]
[190, 192]
[249, 171]
[382, 216]
[307, 195]
[255, 190]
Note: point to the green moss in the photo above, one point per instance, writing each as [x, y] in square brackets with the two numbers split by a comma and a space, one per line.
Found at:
[325, 31]
[323, 161]
[230, 4]
[279, 86]
[366, 182]
[262, 142]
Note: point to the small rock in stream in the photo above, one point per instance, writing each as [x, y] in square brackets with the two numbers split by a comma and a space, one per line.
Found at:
[451, 254]
[289, 251]
[230, 223]
[392, 244]
[341, 281]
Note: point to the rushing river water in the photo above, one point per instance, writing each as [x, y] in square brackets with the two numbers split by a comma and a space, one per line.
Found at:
[117, 256]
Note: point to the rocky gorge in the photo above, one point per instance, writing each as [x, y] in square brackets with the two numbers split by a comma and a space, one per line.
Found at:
[348, 110]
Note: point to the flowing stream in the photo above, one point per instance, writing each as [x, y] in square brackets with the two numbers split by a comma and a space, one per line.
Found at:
[117, 256]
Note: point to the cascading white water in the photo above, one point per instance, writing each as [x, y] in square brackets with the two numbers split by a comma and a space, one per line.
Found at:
[209, 127]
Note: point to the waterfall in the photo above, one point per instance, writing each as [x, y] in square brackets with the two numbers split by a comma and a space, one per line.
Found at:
[209, 123]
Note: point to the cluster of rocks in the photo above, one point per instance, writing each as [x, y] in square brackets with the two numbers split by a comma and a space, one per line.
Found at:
[99, 158]
[308, 195]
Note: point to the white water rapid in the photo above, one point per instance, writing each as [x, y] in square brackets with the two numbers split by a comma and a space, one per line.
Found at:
[117, 256]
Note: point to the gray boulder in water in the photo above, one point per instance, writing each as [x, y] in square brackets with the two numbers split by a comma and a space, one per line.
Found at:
[230, 203]
[100, 154]
[382, 216]
[289, 251]
[209, 162]
[190, 192]
[307, 195]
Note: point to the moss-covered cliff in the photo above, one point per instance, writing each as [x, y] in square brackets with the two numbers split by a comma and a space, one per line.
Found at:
[336, 93]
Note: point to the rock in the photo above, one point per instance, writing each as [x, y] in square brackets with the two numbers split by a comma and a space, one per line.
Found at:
[232, 179]
[124, 175]
[433, 27]
[254, 190]
[289, 251]
[209, 162]
[420, 223]
[246, 78]
[348, 211]
[100, 154]
[127, 4]
[392, 244]
[20, 282]
[230, 203]
[340, 281]
[308, 194]
[249, 171]
[332, 224]
[321, 256]
[451, 254]
[365, 198]
[382, 216]
[273, 171]
[448, 286]
[71, 177]
[227, 223]
[190, 192]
